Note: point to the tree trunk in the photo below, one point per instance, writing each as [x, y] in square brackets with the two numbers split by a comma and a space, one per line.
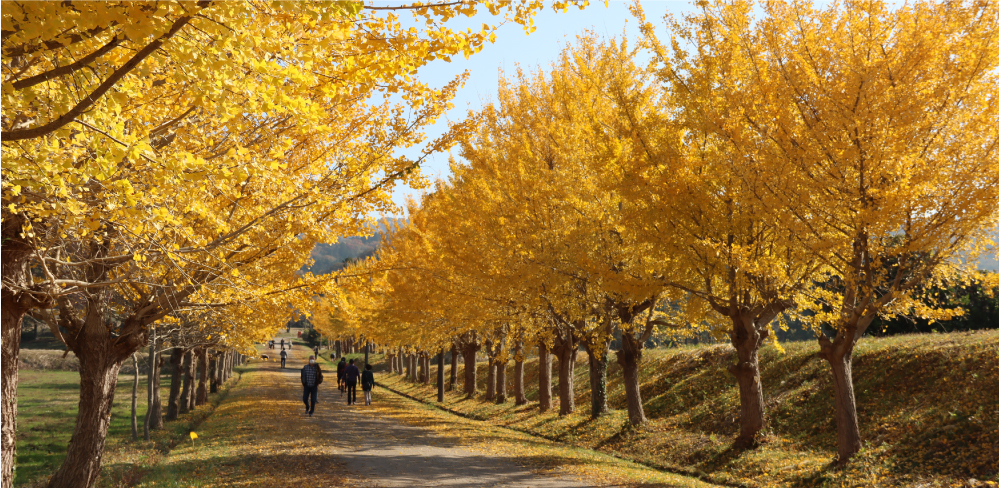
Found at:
[544, 377]
[13, 314]
[176, 382]
[468, 352]
[98, 378]
[188, 387]
[490, 371]
[226, 366]
[202, 376]
[501, 380]
[411, 367]
[598, 377]
[421, 367]
[135, 397]
[426, 360]
[747, 342]
[519, 396]
[453, 379]
[213, 377]
[221, 367]
[440, 377]
[192, 378]
[839, 355]
[630, 357]
[566, 351]
[16, 255]
[153, 418]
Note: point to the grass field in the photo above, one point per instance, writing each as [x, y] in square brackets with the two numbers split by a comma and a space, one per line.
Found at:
[928, 408]
[47, 402]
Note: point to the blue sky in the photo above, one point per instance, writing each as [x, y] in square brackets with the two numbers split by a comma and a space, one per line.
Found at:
[514, 47]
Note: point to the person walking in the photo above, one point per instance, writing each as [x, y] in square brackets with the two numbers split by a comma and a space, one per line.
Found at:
[350, 376]
[282, 344]
[339, 374]
[284, 357]
[312, 377]
[367, 383]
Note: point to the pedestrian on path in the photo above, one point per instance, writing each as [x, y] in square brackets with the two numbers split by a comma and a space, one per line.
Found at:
[284, 357]
[339, 374]
[282, 344]
[367, 383]
[350, 376]
[312, 377]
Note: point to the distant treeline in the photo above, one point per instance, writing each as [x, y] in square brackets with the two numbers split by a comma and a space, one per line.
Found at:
[332, 257]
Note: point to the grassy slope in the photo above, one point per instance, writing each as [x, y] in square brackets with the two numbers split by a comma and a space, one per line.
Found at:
[928, 408]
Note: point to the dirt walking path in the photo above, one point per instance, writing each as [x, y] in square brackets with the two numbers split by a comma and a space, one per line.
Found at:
[261, 435]
[388, 453]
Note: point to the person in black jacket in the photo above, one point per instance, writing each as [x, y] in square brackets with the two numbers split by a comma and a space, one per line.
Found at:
[350, 376]
[367, 383]
[312, 377]
[339, 374]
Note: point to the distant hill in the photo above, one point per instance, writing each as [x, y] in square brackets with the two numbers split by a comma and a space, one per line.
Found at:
[330, 257]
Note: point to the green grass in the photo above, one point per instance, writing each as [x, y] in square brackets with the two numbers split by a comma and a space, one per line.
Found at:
[47, 406]
[47, 402]
[927, 404]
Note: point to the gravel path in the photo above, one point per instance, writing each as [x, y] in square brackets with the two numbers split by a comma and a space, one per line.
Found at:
[389, 453]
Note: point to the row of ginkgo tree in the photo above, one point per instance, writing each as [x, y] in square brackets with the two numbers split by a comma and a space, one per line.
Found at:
[772, 163]
[174, 158]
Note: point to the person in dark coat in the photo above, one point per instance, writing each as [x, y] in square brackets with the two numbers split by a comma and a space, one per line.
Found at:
[350, 377]
[339, 374]
[312, 377]
[284, 357]
[367, 383]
